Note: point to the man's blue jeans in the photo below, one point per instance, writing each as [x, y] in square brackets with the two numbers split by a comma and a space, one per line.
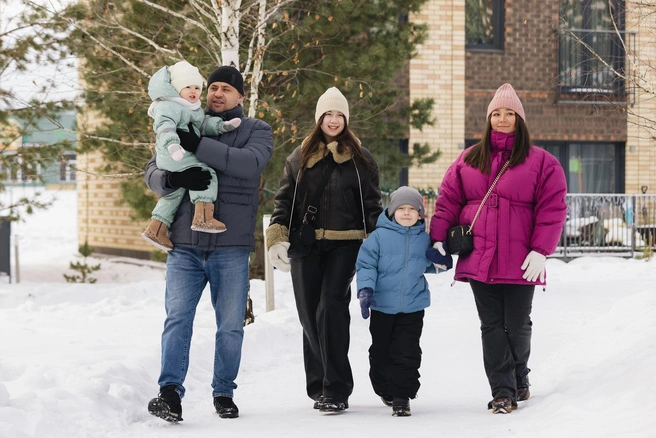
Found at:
[188, 271]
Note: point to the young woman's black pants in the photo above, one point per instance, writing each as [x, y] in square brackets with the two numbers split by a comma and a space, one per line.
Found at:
[505, 314]
[322, 289]
[395, 354]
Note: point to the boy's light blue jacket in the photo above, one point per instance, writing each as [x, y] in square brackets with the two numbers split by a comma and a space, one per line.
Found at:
[392, 261]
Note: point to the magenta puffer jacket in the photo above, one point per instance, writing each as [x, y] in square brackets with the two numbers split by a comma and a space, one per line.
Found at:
[525, 212]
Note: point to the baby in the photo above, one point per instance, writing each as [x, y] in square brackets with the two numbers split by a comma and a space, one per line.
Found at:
[176, 92]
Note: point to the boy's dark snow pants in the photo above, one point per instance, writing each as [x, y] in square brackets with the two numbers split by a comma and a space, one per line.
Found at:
[395, 354]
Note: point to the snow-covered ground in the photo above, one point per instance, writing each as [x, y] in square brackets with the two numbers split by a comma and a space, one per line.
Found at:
[82, 360]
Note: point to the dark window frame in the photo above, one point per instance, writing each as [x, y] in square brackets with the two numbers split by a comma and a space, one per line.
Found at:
[498, 20]
[619, 158]
[583, 79]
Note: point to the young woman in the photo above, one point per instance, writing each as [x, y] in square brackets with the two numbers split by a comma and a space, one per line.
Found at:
[519, 225]
[347, 213]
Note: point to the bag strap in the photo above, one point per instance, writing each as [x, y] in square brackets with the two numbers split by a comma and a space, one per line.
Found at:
[316, 198]
[494, 183]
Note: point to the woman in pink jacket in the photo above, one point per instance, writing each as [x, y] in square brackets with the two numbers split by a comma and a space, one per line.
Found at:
[519, 225]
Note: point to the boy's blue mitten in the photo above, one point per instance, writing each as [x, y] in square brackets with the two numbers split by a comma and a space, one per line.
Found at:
[366, 297]
[439, 255]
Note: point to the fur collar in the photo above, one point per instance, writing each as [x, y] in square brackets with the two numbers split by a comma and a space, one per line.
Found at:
[323, 150]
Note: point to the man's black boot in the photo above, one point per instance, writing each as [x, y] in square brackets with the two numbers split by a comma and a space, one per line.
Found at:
[225, 407]
[167, 405]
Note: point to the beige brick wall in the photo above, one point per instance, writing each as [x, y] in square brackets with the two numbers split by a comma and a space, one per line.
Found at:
[438, 72]
[641, 145]
[101, 220]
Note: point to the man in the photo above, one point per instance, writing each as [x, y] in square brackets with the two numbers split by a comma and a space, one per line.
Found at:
[239, 158]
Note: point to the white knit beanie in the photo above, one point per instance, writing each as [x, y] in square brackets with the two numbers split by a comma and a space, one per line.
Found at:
[505, 97]
[405, 195]
[332, 100]
[184, 74]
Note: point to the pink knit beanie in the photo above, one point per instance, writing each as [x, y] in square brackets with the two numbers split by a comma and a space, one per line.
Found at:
[505, 97]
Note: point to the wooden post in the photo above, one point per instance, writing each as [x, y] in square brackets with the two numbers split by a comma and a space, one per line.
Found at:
[17, 268]
[268, 269]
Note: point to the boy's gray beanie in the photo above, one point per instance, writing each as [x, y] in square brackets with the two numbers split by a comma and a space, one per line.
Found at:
[405, 196]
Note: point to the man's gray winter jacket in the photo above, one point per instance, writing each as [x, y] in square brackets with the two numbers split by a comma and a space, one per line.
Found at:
[239, 158]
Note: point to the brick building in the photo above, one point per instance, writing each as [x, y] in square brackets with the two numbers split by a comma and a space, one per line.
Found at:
[576, 105]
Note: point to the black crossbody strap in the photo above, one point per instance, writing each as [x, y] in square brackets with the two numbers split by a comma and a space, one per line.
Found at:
[313, 207]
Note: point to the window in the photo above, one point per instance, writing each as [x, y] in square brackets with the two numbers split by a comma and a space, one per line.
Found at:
[29, 172]
[67, 168]
[484, 24]
[592, 54]
[590, 167]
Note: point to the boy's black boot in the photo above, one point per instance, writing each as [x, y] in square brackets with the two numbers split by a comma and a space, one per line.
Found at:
[225, 407]
[401, 407]
[329, 404]
[167, 405]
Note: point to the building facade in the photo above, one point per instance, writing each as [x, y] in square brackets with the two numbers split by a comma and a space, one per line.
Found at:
[577, 66]
[36, 133]
[104, 221]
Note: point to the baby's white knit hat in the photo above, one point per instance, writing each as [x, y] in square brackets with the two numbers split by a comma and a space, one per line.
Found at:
[184, 74]
[332, 100]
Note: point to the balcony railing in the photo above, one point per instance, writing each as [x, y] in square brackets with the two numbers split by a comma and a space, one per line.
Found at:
[591, 64]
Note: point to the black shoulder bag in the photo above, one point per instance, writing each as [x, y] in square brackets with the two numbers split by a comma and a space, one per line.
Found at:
[302, 238]
[459, 239]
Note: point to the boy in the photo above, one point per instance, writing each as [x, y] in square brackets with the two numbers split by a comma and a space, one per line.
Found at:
[176, 92]
[390, 278]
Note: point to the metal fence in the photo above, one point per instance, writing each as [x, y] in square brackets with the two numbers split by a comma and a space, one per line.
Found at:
[598, 224]
[608, 224]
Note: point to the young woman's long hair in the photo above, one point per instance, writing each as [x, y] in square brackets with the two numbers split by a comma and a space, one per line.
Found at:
[346, 141]
[479, 154]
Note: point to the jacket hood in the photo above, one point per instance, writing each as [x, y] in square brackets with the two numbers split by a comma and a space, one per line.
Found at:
[384, 221]
[160, 86]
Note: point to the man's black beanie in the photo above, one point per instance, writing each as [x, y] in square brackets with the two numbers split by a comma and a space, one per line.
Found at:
[229, 75]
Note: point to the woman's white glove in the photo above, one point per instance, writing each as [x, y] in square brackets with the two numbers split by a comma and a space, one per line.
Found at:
[533, 266]
[278, 256]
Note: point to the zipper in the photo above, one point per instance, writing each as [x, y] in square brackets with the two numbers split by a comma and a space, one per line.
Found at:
[324, 202]
[405, 268]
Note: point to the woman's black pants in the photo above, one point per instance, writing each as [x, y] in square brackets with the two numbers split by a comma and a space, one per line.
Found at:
[505, 314]
[322, 289]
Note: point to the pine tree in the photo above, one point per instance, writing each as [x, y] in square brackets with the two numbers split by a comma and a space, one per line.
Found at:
[83, 268]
